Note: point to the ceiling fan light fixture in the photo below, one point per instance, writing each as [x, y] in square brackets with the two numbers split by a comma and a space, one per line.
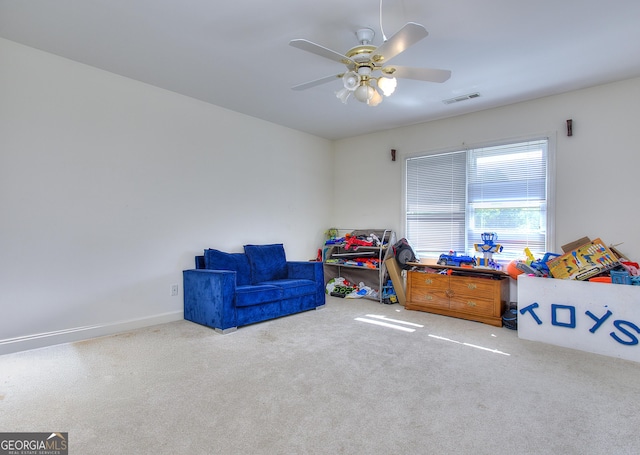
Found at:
[343, 94]
[387, 85]
[364, 92]
[351, 80]
[375, 99]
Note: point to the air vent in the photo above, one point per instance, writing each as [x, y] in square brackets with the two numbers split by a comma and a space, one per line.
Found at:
[457, 99]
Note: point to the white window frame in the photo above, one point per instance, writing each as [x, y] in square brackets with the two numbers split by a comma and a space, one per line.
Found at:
[550, 181]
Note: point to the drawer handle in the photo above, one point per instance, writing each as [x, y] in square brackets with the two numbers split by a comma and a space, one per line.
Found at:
[428, 297]
[428, 281]
[471, 303]
[472, 286]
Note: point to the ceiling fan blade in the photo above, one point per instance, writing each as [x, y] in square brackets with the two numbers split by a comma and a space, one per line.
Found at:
[322, 80]
[322, 51]
[419, 74]
[406, 37]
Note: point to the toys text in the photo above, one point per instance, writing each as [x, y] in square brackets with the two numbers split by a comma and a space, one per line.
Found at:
[624, 332]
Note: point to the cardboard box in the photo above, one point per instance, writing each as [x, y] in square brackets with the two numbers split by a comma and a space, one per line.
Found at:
[583, 262]
[575, 244]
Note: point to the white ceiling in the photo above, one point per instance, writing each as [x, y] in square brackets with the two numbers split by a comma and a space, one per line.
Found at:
[235, 54]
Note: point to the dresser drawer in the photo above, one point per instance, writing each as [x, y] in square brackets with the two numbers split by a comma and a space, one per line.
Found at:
[474, 287]
[472, 305]
[433, 298]
[429, 281]
[427, 290]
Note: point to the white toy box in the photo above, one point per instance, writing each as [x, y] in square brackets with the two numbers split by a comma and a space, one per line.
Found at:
[594, 317]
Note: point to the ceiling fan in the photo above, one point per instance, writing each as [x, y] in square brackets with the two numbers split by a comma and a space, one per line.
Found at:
[367, 70]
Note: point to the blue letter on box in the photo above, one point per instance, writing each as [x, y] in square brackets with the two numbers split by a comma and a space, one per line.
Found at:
[633, 341]
[530, 309]
[572, 313]
[599, 321]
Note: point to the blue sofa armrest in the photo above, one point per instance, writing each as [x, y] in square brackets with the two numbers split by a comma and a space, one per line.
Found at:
[209, 298]
[309, 270]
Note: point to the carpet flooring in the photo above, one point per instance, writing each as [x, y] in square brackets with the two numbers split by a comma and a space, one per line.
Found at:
[355, 377]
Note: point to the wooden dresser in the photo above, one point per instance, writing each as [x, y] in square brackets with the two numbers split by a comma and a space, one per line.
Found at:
[478, 297]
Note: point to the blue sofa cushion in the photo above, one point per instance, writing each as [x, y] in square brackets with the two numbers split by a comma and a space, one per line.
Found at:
[235, 262]
[257, 294]
[294, 287]
[268, 262]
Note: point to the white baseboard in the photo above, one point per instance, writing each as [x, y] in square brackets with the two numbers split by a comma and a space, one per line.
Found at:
[41, 340]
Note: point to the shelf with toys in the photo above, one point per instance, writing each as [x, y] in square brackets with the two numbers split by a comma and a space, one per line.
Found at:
[354, 261]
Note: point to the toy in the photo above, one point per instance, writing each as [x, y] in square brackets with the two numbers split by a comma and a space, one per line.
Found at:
[371, 263]
[488, 248]
[533, 266]
[524, 267]
[331, 233]
[584, 262]
[341, 291]
[389, 294]
[453, 259]
[620, 277]
[539, 266]
[375, 239]
[624, 277]
[355, 242]
[632, 267]
[513, 269]
[339, 287]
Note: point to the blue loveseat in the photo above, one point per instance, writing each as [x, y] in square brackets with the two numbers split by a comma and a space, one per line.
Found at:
[229, 290]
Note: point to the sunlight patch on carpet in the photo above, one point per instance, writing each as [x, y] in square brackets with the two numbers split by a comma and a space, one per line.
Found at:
[383, 321]
[495, 351]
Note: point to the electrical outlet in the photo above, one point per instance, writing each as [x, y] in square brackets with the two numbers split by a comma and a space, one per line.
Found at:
[174, 290]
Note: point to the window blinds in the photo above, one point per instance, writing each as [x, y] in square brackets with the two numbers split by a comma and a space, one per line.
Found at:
[436, 200]
[452, 198]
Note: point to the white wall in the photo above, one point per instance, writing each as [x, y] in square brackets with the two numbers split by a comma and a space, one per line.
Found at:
[596, 168]
[109, 187]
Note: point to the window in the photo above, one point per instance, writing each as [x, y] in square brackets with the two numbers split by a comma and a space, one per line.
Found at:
[452, 198]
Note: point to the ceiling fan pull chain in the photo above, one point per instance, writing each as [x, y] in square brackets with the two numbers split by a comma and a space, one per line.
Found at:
[384, 38]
